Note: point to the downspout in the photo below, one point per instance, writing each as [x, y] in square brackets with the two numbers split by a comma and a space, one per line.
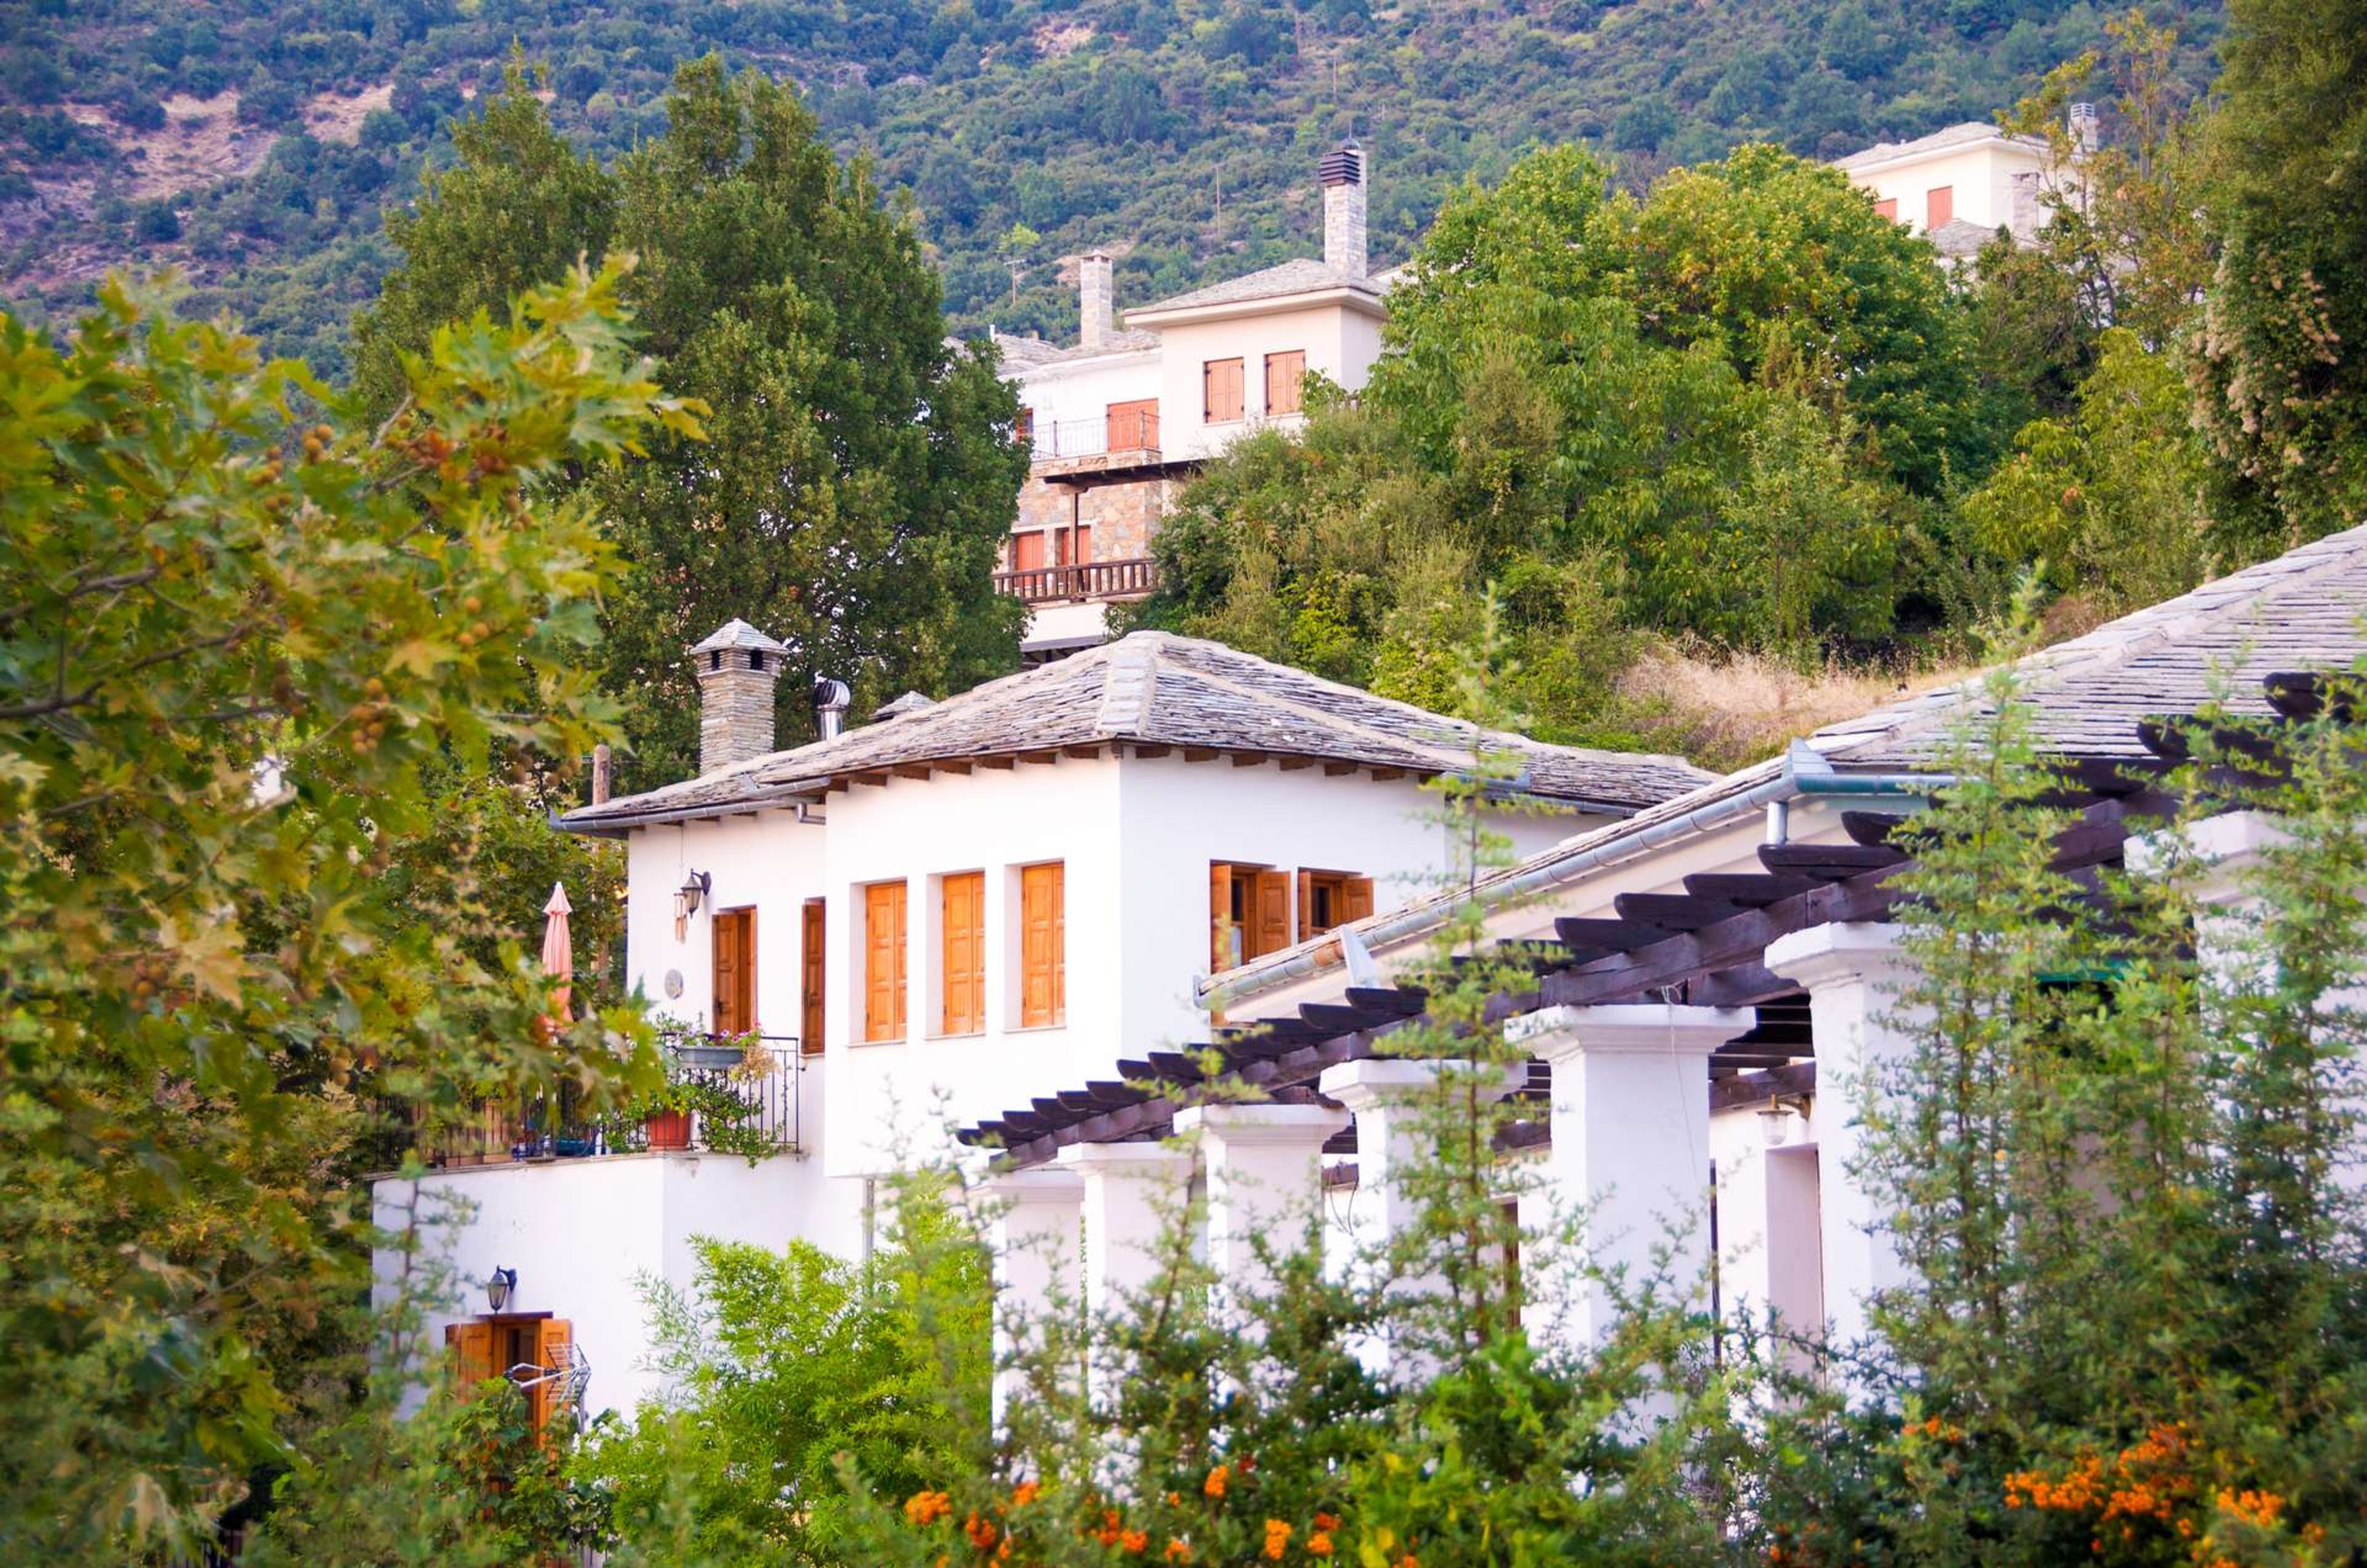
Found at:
[1805, 774]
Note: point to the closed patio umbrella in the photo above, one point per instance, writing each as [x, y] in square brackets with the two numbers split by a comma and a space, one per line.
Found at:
[557, 949]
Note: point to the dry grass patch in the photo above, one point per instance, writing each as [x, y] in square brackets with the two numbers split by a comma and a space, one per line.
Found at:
[332, 117]
[1728, 710]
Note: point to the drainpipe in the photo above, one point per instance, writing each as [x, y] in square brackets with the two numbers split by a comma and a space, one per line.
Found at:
[1805, 775]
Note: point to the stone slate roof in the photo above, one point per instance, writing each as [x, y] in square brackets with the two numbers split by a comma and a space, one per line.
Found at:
[1959, 135]
[1960, 239]
[1032, 353]
[1302, 275]
[1153, 688]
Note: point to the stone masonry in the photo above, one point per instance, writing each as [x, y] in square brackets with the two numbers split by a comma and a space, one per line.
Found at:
[736, 668]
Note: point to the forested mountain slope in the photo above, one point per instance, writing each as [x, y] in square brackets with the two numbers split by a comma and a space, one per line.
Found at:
[254, 143]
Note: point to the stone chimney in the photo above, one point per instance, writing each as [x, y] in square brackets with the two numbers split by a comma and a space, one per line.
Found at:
[1343, 173]
[736, 668]
[1096, 293]
[2021, 219]
[2085, 132]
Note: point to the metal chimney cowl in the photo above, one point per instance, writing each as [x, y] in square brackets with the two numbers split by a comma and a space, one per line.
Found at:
[830, 701]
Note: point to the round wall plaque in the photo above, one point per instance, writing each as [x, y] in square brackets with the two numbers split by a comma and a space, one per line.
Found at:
[673, 983]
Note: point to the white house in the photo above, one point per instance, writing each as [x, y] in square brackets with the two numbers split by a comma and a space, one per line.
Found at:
[1719, 969]
[1963, 183]
[1117, 421]
[1011, 890]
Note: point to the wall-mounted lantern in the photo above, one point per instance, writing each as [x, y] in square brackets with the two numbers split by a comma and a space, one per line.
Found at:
[688, 898]
[1776, 1122]
[499, 1289]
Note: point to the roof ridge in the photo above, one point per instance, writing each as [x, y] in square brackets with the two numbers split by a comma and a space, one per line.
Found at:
[1127, 686]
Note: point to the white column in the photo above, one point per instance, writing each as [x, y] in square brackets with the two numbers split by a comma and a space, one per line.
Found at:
[1631, 1140]
[1133, 1195]
[1395, 1100]
[1853, 973]
[1033, 1218]
[1768, 1249]
[1265, 1177]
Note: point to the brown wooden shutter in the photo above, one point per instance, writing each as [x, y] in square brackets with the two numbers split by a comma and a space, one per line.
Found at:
[732, 962]
[809, 979]
[883, 965]
[1306, 904]
[963, 934]
[1358, 904]
[1043, 945]
[1273, 914]
[554, 1352]
[472, 1351]
[1284, 374]
[1221, 916]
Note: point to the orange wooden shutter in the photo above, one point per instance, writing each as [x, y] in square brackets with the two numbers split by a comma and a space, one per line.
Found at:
[472, 1347]
[810, 972]
[1028, 550]
[1888, 207]
[1221, 390]
[1306, 904]
[554, 1352]
[1358, 904]
[1133, 424]
[1940, 206]
[1221, 916]
[1272, 913]
[1043, 945]
[883, 966]
[1284, 374]
[963, 951]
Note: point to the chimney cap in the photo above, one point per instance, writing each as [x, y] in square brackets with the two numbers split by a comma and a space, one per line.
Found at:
[910, 702]
[1344, 165]
[738, 634]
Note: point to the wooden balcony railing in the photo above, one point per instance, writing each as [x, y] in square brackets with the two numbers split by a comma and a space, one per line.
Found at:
[1129, 579]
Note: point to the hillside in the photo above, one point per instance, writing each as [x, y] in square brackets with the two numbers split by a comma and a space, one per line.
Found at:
[254, 143]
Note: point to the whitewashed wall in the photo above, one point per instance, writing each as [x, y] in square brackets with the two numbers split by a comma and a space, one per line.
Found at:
[1980, 176]
[1338, 342]
[1082, 389]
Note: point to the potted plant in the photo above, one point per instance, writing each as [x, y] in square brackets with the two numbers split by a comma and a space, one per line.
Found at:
[666, 1120]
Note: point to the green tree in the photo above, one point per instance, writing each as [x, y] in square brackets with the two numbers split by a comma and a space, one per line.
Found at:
[2281, 356]
[859, 475]
[229, 649]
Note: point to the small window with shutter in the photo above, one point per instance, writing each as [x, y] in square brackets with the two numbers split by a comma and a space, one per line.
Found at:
[1043, 945]
[1939, 206]
[1330, 899]
[961, 956]
[810, 980]
[1220, 391]
[735, 971]
[1284, 374]
[1888, 207]
[1249, 913]
[533, 1349]
[883, 961]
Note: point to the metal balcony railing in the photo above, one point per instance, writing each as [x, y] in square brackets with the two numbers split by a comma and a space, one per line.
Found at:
[1129, 431]
[1129, 579]
[737, 1096]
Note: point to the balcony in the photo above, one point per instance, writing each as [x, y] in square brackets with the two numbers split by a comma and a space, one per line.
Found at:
[740, 1096]
[1091, 582]
[1122, 440]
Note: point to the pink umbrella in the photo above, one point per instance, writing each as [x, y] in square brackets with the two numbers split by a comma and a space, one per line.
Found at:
[557, 951]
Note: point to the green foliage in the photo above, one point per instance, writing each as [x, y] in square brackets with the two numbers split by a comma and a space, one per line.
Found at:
[798, 1371]
[2281, 372]
[233, 650]
[851, 490]
[1191, 133]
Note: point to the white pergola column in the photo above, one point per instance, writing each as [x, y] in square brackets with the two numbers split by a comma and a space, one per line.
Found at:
[1770, 1254]
[1264, 1165]
[1133, 1192]
[1853, 973]
[1033, 1218]
[1630, 1142]
[1392, 1099]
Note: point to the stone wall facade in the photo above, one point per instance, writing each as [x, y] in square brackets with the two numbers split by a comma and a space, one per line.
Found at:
[1123, 518]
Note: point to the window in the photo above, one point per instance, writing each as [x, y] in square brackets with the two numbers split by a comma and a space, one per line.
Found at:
[1329, 899]
[1043, 946]
[1024, 431]
[883, 961]
[1133, 424]
[1888, 207]
[1284, 374]
[525, 1346]
[961, 913]
[810, 959]
[1220, 391]
[1939, 206]
[1249, 913]
[1028, 550]
[735, 971]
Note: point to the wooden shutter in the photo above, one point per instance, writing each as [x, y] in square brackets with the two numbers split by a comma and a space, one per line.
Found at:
[1888, 207]
[1272, 915]
[1043, 945]
[810, 973]
[1133, 424]
[472, 1351]
[1306, 904]
[554, 1352]
[735, 971]
[1284, 374]
[1221, 390]
[883, 961]
[1358, 904]
[1221, 916]
[1028, 550]
[1939, 206]
[962, 953]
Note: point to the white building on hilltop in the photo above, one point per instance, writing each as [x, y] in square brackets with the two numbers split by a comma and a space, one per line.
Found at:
[1118, 421]
[956, 902]
[1963, 183]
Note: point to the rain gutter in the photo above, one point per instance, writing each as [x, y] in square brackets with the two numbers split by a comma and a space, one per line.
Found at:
[1805, 775]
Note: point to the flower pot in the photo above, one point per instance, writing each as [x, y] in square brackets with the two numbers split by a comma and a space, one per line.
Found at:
[722, 1056]
[668, 1129]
